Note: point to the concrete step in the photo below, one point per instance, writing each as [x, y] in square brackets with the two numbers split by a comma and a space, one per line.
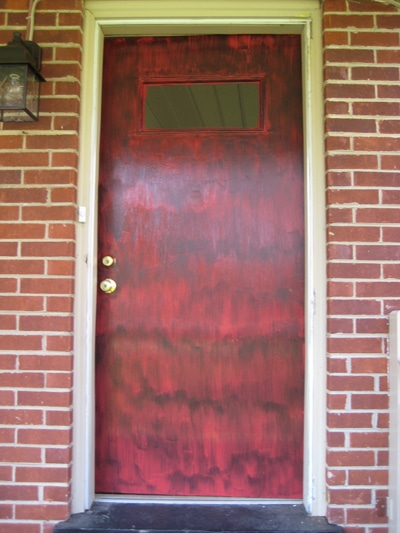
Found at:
[195, 518]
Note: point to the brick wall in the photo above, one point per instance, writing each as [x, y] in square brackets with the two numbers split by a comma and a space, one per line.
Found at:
[38, 178]
[362, 91]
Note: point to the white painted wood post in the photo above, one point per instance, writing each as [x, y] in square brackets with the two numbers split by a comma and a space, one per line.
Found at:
[394, 424]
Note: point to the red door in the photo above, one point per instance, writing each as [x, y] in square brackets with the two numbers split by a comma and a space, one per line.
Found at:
[199, 362]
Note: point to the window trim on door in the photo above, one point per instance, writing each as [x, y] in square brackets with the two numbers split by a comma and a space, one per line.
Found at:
[142, 17]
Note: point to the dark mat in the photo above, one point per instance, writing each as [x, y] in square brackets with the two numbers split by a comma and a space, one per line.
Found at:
[195, 518]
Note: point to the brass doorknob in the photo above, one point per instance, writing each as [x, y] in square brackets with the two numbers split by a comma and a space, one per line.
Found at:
[108, 261]
[108, 286]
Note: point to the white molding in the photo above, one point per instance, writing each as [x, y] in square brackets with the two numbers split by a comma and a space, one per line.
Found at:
[394, 422]
[181, 17]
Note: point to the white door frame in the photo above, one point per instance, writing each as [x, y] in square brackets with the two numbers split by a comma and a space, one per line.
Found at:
[185, 17]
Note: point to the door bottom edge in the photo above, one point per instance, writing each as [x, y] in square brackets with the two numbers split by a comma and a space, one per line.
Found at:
[191, 500]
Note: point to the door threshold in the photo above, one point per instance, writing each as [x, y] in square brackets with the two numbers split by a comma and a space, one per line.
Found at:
[192, 500]
[144, 517]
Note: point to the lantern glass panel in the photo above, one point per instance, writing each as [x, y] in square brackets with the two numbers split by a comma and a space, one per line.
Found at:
[19, 96]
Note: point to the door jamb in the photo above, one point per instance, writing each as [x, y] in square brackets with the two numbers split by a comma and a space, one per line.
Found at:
[141, 17]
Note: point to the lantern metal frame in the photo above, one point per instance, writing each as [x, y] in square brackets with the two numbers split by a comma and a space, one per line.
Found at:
[20, 79]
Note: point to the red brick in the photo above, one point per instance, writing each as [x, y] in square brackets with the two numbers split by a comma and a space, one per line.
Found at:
[7, 397]
[60, 304]
[340, 290]
[7, 435]
[42, 474]
[6, 511]
[54, 437]
[18, 492]
[58, 494]
[351, 458]
[49, 399]
[21, 303]
[364, 516]
[333, 107]
[8, 285]
[383, 420]
[47, 286]
[355, 496]
[348, 55]
[369, 325]
[19, 195]
[11, 177]
[20, 454]
[58, 455]
[8, 249]
[45, 323]
[336, 439]
[336, 73]
[369, 401]
[59, 343]
[337, 401]
[8, 361]
[378, 289]
[390, 162]
[58, 213]
[336, 477]
[350, 196]
[349, 420]
[388, 91]
[19, 231]
[353, 307]
[50, 176]
[353, 270]
[368, 477]
[377, 144]
[24, 527]
[66, 123]
[10, 142]
[348, 21]
[19, 417]
[352, 161]
[391, 271]
[337, 143]
[60, 268]
[65, 159]
[354, 125]
[369, 365]
[20, 266]
[355, 345]
[6, 473]
[349, 90]
[9, 212]
[42, 512]
[375, 73]
[340, 251]
[25, 159]
[21, 342]
[388, 56]
[339, 215]
[375, 38]
[52, 141]
[391, 21]
[354, 234]
[377, 179]
[340, 325]
[8, 322]
[59, 381]
[369, 440]
[61, 231]
[377, 252]
[56, 363]
[376, 108]
[31, 380]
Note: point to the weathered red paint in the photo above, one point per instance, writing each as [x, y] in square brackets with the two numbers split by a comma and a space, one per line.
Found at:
[199, 357]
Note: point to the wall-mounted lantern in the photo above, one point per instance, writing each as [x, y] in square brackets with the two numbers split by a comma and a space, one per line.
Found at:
[20, 79]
